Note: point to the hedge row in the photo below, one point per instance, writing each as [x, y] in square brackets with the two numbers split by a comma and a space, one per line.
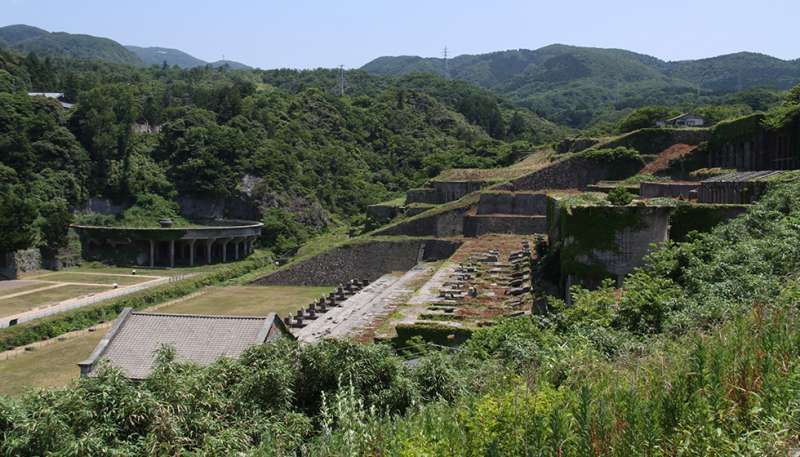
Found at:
[81, 318]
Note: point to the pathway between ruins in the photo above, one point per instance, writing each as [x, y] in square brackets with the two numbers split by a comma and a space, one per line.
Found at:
[360, 310]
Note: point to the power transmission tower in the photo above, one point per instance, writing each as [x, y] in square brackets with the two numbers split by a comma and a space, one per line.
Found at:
[341, 80]
[446, 67]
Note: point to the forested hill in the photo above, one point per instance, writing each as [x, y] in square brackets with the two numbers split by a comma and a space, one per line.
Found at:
[157, 56]
[578, 86]
[302, 154]
[25, 39]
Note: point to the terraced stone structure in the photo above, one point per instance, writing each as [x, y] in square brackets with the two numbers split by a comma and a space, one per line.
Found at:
[212, 242]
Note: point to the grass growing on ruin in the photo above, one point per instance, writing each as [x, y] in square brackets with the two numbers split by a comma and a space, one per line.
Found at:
[247, 301]
[22, 303]
[52, 365]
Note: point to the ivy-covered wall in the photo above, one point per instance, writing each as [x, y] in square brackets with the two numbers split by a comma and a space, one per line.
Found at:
[598, 241]
[700, 217]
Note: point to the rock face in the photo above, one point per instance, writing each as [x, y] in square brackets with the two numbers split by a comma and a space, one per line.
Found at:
[363, 260]
[13, 263]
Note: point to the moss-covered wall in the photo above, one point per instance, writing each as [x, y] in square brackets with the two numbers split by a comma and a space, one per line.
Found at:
[700, 217]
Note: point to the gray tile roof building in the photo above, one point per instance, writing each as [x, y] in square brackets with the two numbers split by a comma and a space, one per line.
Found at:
[134, 339]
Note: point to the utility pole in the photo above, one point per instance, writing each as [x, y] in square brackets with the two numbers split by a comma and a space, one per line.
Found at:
[341, 80]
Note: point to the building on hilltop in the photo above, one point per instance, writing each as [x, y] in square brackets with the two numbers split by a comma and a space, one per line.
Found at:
[58, 96]
[683, 120]
[135, 338]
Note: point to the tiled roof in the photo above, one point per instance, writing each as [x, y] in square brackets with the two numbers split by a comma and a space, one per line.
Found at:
[134, 339]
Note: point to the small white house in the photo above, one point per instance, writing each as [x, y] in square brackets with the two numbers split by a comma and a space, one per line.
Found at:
[684, 120]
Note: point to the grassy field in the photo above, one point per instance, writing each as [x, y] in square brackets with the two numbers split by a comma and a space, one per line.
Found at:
[90, 278]
[248, 301]
[95, 267]
[16, 287]
[14, 305]
[53, 365]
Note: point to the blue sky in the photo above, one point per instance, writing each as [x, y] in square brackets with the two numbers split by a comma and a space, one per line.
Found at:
[316, 33]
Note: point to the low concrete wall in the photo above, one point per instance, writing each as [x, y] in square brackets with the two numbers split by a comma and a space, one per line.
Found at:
[477, 225]
[531, 204]
[667, 189]
[742, 192]
[364, 260]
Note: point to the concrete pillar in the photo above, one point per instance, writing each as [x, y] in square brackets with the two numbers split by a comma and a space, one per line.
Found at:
[237, 243]
[152, 253]
[225, 250]
[209, 243]
[172, 253]
[191, 252]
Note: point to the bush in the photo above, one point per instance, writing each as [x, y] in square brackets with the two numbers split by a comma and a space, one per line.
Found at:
[619, 196]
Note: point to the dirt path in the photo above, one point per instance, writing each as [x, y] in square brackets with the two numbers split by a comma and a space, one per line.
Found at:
[26, 292]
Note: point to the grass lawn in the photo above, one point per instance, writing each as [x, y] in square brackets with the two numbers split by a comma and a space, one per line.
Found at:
[14, 305]
[53, 365]
[248, 301]
[22, 286]
[89, 278]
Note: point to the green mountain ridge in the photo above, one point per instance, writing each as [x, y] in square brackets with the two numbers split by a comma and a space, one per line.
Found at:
[577, 86]
[157, 56]
[27, 39]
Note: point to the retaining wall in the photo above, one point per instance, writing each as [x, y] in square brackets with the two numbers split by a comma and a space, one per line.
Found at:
[441, 224]
[521, 203]
[667, 189]
[574, 173]
[443, 191]
[477, 225]
[363, 260]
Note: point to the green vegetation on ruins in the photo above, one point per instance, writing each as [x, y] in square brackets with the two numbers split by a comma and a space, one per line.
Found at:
[715, 319]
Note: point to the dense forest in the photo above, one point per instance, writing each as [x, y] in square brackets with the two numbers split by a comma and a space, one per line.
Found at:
[582, 87]
[307, 156]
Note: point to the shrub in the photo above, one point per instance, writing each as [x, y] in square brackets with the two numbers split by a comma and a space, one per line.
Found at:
[619, 196]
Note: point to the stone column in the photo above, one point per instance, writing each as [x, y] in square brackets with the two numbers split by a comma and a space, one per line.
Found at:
[225, 249]
[191, 252]
[152, 253]
[237, 243]
[209, 243]
[172, 253]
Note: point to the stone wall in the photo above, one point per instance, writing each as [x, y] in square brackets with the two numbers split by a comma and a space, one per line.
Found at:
[667, 189]
[363, 260]
[574, 173]
[575, 144]
[13, 263]
[477, 225]
[443, 191]
[521, 203]
[381, 213]
[656, 140]
[440, 224]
